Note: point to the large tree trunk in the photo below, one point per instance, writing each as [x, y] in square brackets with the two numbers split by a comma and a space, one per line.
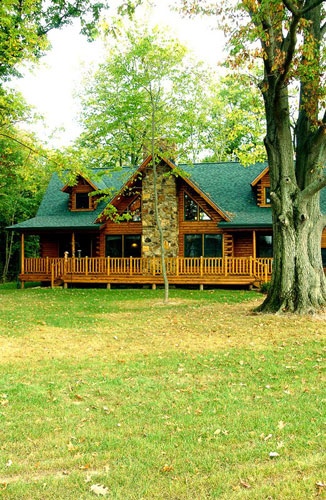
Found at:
[298, 282]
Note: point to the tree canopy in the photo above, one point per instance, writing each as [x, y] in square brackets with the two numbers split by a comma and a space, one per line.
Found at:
[205, 117]
[25, 24]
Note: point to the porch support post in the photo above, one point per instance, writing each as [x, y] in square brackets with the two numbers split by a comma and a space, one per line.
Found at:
[73, 244]
[22, 253]
[201, 287]
[153, 286]
[254, 244]
[108, 286]
[22, 257]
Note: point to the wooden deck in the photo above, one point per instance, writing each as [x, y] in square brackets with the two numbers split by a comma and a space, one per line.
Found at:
[187, 271]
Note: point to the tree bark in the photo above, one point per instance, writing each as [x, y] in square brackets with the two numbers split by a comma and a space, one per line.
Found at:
[298, 282]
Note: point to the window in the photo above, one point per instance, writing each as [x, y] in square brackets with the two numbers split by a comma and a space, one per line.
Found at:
[192, 211]
[82, 201]
[134, 210]
[123, 245]
[206, 245]
[264, 245]
[267, 196]
[323, 256]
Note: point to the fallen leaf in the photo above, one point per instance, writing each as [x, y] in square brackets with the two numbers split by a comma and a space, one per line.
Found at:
[99, 490]
[274, 454]
[167, 468]
[266, 438]
[244, 485]
[9, 463]
[71, 447]
[319, 484]
[281, 425]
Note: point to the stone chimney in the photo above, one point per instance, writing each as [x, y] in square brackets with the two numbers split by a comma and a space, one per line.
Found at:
[167, 208]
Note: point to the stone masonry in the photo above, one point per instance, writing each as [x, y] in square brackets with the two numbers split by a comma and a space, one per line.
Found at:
[168, 212]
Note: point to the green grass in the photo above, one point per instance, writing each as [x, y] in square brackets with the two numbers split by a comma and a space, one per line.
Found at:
[184, 401]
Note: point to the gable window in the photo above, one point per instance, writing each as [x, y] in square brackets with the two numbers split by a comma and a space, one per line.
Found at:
[192, 211]
[206, 245]
[267, 195]
[82, 201]
[134, 210]
[123, 245]
[264, 245]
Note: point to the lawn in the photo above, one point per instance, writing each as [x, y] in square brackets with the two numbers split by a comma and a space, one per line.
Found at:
[152, 401]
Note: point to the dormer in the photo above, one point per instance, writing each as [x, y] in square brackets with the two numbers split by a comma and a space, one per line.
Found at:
[262, 187]
[79, 195]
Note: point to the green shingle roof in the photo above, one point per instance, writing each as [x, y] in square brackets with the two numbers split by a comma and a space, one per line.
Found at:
[226, 184]
[54, 212]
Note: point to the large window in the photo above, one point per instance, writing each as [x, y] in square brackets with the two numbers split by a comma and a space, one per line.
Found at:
[206, 245]
[123, 245]
[192, 211]
[82, 201]
[264, 245]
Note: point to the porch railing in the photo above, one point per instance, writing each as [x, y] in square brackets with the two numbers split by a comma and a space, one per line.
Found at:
[176, 266]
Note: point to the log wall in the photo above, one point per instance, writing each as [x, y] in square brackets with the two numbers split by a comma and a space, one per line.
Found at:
[262, 184]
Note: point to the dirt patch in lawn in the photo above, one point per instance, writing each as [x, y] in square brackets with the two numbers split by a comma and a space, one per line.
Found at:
[151, 328]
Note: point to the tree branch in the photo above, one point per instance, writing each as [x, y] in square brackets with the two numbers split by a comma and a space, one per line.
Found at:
[291, 7]
[313, 188]
[25, 146]
[322, 30]
[289, 47]
[320, 135]
[310, 7]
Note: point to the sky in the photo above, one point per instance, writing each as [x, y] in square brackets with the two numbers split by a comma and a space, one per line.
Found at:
[50, 86]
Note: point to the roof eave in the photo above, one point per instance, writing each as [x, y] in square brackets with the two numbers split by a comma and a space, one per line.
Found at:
[260, 176]
[251, 225]
[53, 228]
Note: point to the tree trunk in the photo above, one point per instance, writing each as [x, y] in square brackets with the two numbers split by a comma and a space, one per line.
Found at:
[8, 254]
[298, 281]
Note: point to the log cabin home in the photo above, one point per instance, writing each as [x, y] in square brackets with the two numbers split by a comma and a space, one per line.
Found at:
[216, 221]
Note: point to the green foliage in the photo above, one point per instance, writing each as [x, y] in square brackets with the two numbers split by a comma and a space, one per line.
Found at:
[24, 27]
[116, 104]
[201, 115]
[23, 178]
[234, 126]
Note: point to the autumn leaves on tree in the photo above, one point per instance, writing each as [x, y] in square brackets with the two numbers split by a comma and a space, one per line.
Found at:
[287, 39]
